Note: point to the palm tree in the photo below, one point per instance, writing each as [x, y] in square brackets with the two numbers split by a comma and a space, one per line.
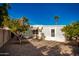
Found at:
[56, 19]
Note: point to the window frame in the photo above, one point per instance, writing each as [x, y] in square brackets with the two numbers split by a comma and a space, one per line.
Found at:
[52, 32]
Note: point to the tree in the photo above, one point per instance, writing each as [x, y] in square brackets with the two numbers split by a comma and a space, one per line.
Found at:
[56, 19]
[68, 32]
[71, 31]
[24, 21]
[5, 7]
[24, 24]
[6, 22]
[13, 25]
[4, 12]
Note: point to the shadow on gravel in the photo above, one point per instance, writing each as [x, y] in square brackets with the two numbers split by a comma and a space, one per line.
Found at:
[16, 49]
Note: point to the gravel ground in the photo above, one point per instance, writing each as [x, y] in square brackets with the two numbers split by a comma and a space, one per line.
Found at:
[31, 47]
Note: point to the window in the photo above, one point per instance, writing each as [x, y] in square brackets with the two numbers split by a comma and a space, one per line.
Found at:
[35, 31]
[52, 32]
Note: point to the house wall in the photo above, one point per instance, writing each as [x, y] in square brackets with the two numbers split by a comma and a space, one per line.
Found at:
[4, 36]
[59, 35]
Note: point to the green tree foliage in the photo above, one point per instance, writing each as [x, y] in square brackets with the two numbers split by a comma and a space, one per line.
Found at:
[72, 31]
[4, 12]
[13, 24]
[25, 20]
[5, 7]
[24, 24]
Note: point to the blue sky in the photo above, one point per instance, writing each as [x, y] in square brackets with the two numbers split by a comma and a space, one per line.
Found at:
[43, 13]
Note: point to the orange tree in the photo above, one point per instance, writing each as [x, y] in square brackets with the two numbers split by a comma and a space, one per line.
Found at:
[71, 31]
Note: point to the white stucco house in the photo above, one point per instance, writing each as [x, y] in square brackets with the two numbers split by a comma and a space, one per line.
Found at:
[51, 32]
